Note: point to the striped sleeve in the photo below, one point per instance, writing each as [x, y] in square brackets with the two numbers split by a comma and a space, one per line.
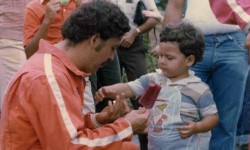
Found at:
[232, 12]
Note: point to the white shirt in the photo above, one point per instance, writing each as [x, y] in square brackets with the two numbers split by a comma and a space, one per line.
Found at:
[200, 14]
[129, 6]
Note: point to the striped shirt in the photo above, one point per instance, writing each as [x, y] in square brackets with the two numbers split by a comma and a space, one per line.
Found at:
[197, 99]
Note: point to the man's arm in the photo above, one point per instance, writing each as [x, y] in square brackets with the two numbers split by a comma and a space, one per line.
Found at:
[31, 41]
[232, 12]
[128, 38]
[59, 112]
[173, 12]
[150, 23]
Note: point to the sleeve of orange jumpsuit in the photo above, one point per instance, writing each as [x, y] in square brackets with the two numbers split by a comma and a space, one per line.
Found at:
[61, 124]
[32, 22]
[232, 12]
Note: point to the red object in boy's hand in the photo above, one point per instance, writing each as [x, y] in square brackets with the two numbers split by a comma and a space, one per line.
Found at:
[150, 95]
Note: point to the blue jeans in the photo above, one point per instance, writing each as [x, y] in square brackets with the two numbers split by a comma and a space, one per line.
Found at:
[244, 121]
[224, 69]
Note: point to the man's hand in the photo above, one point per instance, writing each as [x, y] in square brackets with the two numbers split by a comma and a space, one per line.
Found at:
[52, 7]
[138, 120]
[128, 38]
[187, 130]
[113, 111]
[247, 45]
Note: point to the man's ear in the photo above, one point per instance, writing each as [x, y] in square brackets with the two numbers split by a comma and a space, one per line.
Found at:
[96, 42]
[190, 60]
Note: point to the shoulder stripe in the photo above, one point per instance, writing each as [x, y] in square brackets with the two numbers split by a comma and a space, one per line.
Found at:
[103, 141]
[238, 9]
[58, 95]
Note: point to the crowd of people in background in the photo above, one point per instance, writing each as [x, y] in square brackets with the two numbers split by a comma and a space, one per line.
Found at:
[61, 63]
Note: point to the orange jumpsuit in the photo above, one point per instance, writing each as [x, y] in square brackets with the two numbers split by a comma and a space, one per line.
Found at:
[43, 105]
[33, 18]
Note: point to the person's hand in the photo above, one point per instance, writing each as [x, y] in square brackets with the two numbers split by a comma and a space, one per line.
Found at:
[52, 7]
[153, 14]
[79, 2]
[138, 120]
[247, 42]
[247, 45]
[128, 39]
[155, 52]
[114, 110]
[187, 130]
[104, 92]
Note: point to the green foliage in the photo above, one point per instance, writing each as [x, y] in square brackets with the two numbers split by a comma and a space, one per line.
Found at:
[162, 4]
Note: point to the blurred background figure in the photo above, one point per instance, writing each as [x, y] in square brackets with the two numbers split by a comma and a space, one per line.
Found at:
[224, 67]
[43, 19]
[12, 54]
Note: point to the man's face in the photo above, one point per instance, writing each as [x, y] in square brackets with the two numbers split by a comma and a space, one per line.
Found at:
[103, 53]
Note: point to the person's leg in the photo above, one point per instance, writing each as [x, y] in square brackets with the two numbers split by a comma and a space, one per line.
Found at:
[108, 75]
[204, 71]
[243, 128]
[228, 85]
[12, 57]
[129, 146]
[134, 59]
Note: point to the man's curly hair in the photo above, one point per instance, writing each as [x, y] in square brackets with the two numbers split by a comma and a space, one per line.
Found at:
[189, 39]
[96, 17]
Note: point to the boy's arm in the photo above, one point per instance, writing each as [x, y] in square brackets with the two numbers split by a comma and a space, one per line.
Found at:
[113, 90]
[206, 124]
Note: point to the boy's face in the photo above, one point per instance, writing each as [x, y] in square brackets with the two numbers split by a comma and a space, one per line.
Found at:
[172, 62]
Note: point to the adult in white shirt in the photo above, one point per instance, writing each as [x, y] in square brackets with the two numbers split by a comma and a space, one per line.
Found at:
[224, 66]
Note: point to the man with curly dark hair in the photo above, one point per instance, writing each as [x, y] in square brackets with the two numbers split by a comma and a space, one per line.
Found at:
[44, 101]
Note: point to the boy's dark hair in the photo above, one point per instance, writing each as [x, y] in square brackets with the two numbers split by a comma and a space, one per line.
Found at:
[96, 17]
[189, 39]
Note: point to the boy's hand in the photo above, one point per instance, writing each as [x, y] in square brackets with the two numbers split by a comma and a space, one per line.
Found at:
[104, 92]
[187, 130]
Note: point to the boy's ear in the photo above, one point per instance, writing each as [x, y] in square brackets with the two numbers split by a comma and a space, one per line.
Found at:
[190, 60]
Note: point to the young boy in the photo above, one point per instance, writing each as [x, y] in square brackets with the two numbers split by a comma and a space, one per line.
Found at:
[185, 105]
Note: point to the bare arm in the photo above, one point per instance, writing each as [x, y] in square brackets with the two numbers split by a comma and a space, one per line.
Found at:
[206, 124]
[247, 44]
[128, 38]
[52, 8]
[113, 90]
[173, 11]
